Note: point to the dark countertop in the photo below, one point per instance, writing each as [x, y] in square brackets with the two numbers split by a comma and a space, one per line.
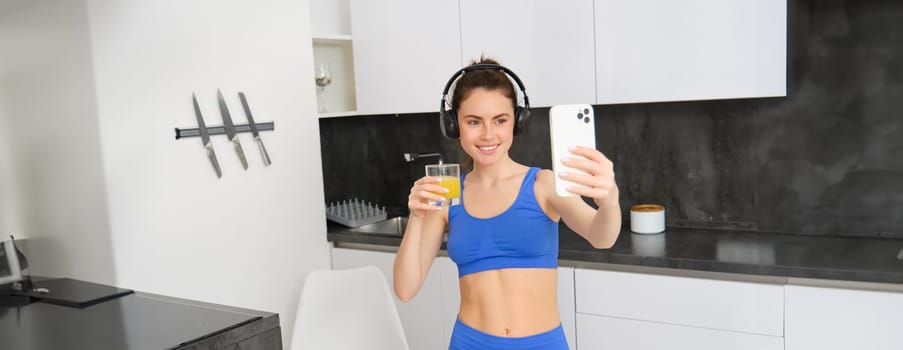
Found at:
[138, 321]
[743, 252]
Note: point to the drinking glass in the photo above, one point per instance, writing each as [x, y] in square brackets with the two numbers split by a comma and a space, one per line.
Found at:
[322, 77]
[449, 177]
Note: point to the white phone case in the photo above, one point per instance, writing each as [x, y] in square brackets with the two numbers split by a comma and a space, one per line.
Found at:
[569, 126]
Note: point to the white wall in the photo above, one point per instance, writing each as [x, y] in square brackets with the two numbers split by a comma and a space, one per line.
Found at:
[9, 220]
[249, 238]
[51, 183]
[330, 17]
[113, 182]
[10, 5]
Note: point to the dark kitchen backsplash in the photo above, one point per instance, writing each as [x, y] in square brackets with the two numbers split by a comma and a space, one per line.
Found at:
[825, 160]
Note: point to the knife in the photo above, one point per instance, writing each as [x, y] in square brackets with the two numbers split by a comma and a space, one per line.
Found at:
[205, 137]
[254, 131]
[230, 129]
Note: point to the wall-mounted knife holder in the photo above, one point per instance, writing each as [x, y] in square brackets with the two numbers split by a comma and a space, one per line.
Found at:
[220, 130]
[229, 129]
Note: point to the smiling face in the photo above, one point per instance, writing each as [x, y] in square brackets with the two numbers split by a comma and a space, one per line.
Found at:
[486, 122]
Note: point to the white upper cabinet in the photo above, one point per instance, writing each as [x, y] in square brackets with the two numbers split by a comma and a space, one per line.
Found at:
[547, 43]
[570, 51]
[329, 18]
[404, 52]
[664, 50]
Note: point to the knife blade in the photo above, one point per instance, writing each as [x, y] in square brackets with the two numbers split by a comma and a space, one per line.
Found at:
[205, 137]
[254, 131]
[230, 128]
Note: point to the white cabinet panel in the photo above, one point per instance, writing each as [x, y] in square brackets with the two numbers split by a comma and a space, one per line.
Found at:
[404, 52]
[727, 305]
[329, 18]
[422, 316]
[829, 318]
[566, 304]
[602, 333]
[663, 50]
[548, 43]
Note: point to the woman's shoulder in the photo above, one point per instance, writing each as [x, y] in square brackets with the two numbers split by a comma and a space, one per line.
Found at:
[545, 181]
[544, 191]
[544, 175]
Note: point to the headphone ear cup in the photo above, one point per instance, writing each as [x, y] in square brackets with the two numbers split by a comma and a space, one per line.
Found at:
[521, 115]
[448, 122]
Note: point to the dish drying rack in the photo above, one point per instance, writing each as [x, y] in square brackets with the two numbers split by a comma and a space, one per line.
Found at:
[355, 213]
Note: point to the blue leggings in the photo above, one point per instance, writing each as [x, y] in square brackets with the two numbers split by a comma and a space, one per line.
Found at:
[465, 337]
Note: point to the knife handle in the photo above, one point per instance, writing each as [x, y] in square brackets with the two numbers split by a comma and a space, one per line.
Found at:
[263, 151]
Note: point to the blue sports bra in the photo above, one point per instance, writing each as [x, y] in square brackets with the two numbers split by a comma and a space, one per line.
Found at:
[522, 236]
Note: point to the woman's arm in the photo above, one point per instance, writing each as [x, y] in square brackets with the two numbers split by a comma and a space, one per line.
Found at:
[601, 226]
[421, 241]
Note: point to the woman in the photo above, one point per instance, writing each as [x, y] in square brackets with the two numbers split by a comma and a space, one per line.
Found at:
[504, 234]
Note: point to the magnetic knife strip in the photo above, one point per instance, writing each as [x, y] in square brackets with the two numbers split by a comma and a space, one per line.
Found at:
[229, 129]
[220, 130]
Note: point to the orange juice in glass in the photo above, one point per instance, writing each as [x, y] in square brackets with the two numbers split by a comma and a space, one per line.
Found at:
[449, 176]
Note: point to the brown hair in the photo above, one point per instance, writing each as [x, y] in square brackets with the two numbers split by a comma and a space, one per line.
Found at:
[488, 79]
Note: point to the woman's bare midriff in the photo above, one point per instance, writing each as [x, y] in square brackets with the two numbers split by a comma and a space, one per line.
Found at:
[510, 302]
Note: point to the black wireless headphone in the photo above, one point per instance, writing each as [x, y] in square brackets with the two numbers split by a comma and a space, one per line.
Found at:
[448, 119]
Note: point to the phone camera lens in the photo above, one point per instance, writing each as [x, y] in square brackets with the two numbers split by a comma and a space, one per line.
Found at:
[586, 111]
[579, 116]
[586, 120]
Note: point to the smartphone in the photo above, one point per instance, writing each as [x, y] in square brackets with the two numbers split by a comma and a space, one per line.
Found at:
[569, 126]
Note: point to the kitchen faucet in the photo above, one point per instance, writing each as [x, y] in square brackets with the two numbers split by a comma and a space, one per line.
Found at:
[410, 157]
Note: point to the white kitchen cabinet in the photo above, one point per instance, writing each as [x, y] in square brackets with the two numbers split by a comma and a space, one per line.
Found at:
[602, 309]
[331, 38]
[329, 18]
[756, 308]
[422, 317]
[628, 310]
[820, 318]
[663, 50]
[404, 52]
[566, 304]
[602, 333]
[335, 53]
[547, 43]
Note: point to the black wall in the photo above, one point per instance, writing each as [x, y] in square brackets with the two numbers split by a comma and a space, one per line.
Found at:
[827, 159]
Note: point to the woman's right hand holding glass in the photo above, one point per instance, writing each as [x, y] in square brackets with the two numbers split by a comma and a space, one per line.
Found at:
[423, 193]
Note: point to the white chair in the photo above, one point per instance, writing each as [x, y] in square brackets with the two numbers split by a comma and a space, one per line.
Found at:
[347, 309]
